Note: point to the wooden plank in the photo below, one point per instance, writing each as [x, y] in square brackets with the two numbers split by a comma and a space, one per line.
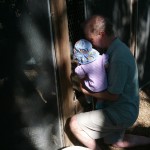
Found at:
[63, 60]
[143, 42]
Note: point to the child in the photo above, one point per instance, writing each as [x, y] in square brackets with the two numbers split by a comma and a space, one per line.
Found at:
[91, 68]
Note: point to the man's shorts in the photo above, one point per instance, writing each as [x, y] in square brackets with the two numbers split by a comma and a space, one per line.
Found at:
[98, 125]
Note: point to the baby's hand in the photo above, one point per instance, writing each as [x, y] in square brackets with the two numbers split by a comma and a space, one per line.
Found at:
[74, 64]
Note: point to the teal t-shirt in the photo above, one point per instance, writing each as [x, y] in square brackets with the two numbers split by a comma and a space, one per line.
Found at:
[122, 80]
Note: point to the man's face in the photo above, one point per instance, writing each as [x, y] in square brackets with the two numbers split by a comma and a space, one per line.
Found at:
[96, 40]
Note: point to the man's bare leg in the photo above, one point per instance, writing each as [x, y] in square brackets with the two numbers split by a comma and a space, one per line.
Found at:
[132, 140]
[82, 136]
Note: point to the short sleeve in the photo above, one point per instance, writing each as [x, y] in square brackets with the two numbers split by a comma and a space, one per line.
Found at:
[80, 72]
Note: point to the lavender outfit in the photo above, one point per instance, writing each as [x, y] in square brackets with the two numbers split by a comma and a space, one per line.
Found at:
[95, 73]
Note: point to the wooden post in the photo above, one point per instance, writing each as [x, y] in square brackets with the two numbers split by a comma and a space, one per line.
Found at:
[134, 21]
[63, 61]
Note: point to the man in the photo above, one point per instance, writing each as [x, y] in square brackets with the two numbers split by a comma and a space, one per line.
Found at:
[121, 97]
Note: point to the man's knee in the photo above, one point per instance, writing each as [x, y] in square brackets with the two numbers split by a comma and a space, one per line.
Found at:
[73, 123]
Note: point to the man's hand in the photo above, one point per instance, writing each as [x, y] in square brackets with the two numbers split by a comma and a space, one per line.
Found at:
[104, 95]
[84, 91]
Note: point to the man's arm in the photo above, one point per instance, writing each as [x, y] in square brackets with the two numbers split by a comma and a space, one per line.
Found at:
[105, 95]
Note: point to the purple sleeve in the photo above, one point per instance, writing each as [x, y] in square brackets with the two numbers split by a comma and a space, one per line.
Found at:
[80, 72]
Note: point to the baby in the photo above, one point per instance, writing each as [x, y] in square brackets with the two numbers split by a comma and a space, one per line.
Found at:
[91, 68]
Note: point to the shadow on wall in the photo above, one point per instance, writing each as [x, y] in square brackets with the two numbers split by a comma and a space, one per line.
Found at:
[143, 42]
[28, 111]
